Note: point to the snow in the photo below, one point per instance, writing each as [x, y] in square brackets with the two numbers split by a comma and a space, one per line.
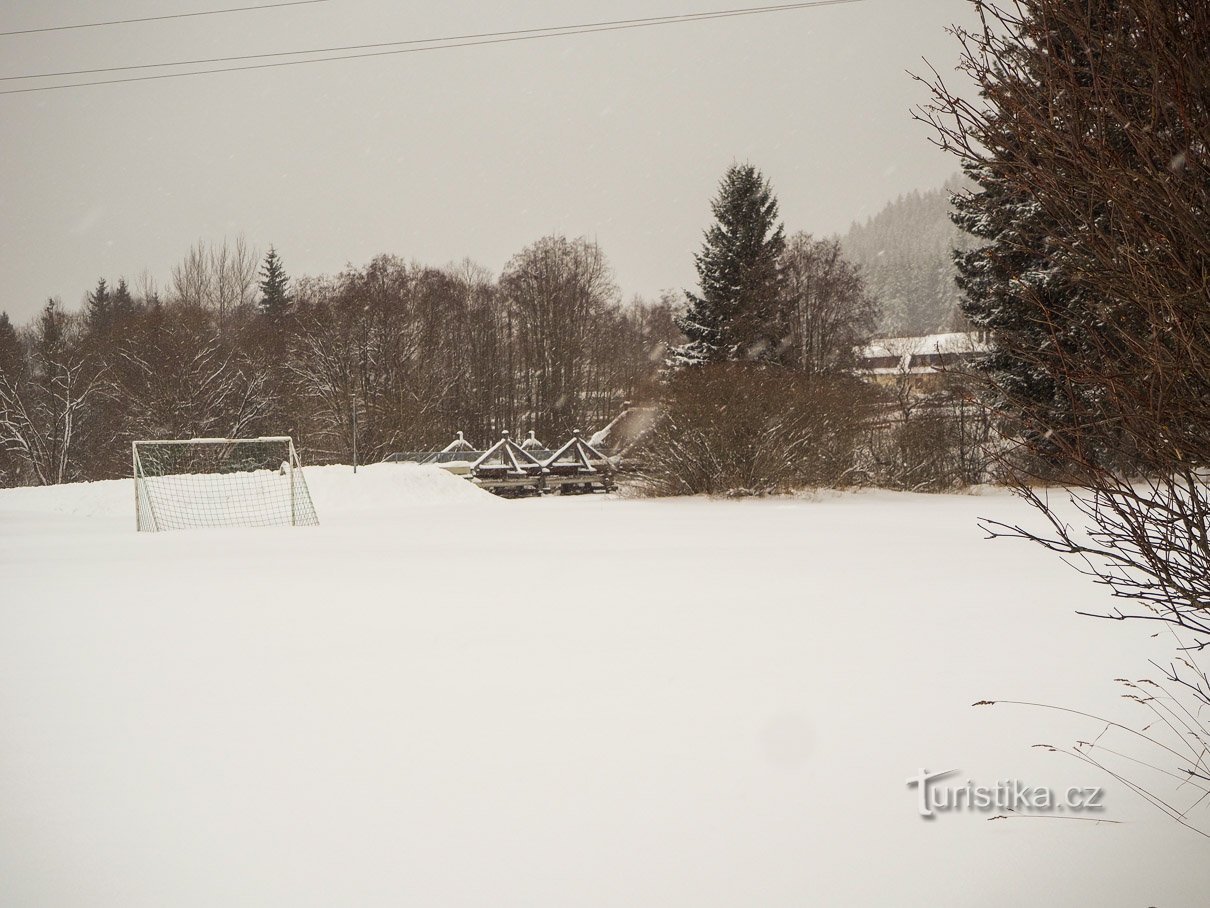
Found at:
[337, 496]
[440, 698]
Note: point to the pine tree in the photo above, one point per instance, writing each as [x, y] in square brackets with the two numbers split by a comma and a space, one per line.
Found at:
[275, 301]
[122, 301]
[99, 309]
[739, 314]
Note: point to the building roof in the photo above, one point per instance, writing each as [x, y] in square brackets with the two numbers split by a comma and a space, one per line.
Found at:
[891, 355]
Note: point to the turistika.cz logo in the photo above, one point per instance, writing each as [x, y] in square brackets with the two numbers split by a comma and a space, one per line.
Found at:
[1008, 796]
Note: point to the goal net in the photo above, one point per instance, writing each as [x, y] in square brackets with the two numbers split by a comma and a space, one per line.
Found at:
[220, 482]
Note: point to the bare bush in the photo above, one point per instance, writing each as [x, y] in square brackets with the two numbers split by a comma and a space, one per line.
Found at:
[931, 435]
[742, 429]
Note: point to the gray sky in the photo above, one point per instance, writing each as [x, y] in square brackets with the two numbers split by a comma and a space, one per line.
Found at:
[439, 156]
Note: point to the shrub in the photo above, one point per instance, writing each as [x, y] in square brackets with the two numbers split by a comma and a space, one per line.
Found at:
[742, 429]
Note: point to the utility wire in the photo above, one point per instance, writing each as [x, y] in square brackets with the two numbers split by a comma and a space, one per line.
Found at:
[554, 30]
[208, 12]
[448, 43]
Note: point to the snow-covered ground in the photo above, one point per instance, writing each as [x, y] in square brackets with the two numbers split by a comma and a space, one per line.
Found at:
[440, 698]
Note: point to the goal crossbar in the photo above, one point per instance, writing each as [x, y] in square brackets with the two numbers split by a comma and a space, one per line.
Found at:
[285, 439]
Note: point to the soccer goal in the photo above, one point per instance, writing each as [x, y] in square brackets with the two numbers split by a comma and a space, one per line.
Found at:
[220, 482]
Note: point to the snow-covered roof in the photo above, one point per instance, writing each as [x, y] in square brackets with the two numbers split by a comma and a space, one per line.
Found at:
[919, 355]
[954, 342]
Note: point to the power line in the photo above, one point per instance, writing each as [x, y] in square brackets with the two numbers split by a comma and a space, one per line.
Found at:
[208, 12]
[553, 31]
[449, 43]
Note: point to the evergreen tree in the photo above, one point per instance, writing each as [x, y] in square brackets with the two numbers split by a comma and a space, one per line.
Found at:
[50, 338]
[739, 314]
[1018, 285]
[275, 298]
[1000, 282]
[99, 309]
[12, 368]
[11, 355]
[122, 302]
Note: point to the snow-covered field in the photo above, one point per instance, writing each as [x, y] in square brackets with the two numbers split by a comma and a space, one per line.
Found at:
[440, 698]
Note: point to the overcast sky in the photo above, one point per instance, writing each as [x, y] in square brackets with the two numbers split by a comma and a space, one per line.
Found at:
[471, 152]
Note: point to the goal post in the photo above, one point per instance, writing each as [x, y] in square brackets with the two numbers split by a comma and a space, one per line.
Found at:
[219, 482]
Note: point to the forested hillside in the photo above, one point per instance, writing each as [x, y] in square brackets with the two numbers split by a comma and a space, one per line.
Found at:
[906, 253]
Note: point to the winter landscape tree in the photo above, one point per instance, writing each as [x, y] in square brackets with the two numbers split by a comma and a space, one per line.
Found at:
[274, 286]
[98, 307]
[762, 397]
[46, 409]
[556, 291]
[417, 352]
[1090, 150]
[830, 312]
[221, 277]
[737, 315]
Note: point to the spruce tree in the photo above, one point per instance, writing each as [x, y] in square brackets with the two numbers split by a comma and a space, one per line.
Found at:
[275, 298]
[739, 313]
[1004, 284]
[99, 310]
[11, 355]
[122, 301]
[1019, 285]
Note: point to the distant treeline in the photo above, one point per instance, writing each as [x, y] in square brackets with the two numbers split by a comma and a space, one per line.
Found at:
[408, 354]
[402, 355]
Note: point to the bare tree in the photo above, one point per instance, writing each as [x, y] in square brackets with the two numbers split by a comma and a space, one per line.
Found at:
[376, 345]
[555, 290]
[177, 375]
[192, 281]
[147, 288]
[830, 312]
[408, 354]
[481, 355]
[222, 278]
[234, 266]
[44, 413]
